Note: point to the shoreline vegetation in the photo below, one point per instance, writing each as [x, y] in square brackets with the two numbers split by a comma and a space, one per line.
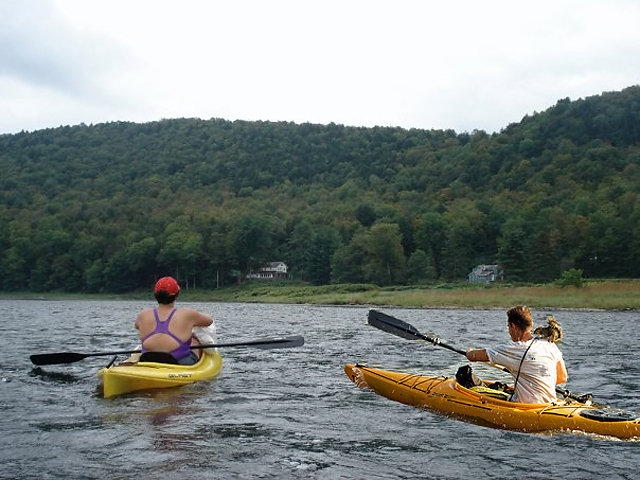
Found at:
[593, 295]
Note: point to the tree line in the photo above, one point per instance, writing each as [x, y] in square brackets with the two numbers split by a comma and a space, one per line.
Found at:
[110, 207]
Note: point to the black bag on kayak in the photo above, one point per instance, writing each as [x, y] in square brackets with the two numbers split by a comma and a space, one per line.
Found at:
[467, 378]
[158, 357]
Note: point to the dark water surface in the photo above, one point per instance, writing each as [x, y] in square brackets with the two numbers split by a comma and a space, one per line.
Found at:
[291, 413]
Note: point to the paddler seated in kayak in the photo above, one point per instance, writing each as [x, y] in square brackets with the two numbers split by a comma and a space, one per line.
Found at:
[168, 329]
[535, 362]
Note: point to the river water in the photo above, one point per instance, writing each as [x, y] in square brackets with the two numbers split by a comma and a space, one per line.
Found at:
[291, 413]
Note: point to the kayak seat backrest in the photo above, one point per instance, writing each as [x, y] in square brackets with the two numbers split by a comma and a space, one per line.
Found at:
[466, 377]
[158, 357]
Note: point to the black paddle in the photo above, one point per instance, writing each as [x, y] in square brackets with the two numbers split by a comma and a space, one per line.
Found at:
[70, 357]
[402, 329]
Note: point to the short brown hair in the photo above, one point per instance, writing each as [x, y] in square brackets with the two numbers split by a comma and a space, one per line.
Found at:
[165, 298]
[520, 316]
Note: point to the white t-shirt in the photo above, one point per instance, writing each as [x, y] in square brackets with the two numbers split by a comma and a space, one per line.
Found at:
[538, 374]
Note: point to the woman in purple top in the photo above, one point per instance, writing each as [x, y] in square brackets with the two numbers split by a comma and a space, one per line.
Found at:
[168, 329]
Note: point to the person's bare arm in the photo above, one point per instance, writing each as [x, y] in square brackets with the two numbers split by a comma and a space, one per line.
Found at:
[134, 357]
[479, 355]
[139, 317]
[200, 319]
[561, 372]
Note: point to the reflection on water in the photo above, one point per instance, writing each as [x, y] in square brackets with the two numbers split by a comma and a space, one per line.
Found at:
[60, 377]
[291, 413]
[65, 426]
[160, 416]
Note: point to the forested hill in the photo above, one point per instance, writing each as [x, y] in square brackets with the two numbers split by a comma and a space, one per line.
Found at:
[109, 207]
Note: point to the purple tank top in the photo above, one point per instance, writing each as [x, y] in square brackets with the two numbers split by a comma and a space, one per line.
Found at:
[163, 327]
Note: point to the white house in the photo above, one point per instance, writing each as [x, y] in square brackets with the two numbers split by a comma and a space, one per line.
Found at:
[271, 271]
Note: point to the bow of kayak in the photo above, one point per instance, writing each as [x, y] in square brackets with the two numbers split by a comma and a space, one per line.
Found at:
[121, 379]
[445, 396]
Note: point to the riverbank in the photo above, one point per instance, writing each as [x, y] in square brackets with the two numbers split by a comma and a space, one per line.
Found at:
[595, 295]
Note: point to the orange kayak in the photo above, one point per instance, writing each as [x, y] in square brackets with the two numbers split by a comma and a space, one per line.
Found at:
[445, 396]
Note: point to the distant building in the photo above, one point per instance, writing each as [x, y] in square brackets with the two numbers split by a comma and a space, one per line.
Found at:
[485, 274]
[271, 271]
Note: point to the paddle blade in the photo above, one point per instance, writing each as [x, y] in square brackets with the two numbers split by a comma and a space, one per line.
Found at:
[393, 325]
[288, 342]
[54, 358]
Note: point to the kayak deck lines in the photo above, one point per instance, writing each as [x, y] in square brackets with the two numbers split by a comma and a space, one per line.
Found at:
[420, 379]
[467, 404]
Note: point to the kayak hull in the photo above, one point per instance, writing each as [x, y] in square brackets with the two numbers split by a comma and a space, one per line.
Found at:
[445, 396]
[121, 379]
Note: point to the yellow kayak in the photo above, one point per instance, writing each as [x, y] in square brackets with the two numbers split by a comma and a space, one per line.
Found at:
[446, 396]
[121, 379]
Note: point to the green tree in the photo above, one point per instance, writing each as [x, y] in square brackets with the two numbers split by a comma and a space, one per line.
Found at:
[420, 267]
[365, 214]
[431, 236]
[15, 270]
[218, 256]
[571, 277]
[465, 232]
[348, 259]
[181, 251]
[298, 251]
[385, 262]
[321, 247]
[115, 276]
[94, 277]
[17, 259]
[513, 248]
[249, 241]
[141, 259]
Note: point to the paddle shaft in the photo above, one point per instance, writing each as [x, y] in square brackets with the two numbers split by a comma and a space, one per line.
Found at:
[251, 343]
[71, 357]
[403, 329]
[438, 343]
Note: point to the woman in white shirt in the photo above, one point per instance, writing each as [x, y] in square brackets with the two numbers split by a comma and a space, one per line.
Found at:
[535, 362]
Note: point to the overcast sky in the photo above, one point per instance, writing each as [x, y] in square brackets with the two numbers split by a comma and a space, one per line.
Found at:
[426, 64]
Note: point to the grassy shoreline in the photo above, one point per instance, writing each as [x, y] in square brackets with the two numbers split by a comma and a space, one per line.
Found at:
[595, 295]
